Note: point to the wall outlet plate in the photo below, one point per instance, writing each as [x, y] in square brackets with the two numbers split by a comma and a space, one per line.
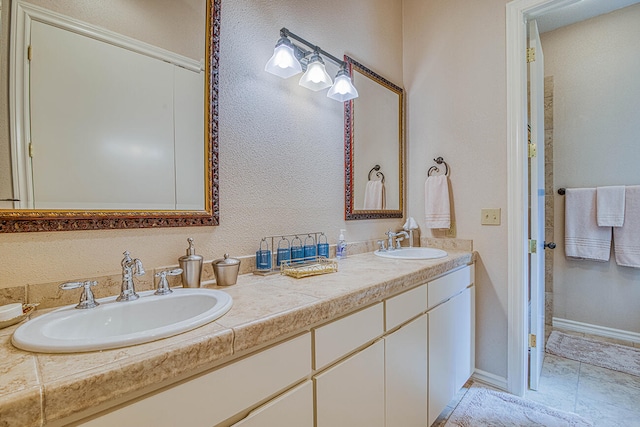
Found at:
[490, 216]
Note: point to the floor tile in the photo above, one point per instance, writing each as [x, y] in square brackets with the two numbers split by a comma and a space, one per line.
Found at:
[618, 390]
[607, 414]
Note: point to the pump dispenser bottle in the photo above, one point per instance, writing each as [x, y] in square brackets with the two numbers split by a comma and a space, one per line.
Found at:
[341, 247]
[191, 265]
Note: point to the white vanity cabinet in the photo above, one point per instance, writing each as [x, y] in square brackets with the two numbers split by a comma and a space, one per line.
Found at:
[351, 392]
[451, 337]
[406, 359]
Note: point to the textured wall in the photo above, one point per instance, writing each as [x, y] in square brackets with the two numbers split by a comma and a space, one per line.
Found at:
[281, 147]
[596, 102]
[454, 75]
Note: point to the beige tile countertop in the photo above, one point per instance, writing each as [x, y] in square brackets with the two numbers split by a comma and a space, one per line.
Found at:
[40, 389]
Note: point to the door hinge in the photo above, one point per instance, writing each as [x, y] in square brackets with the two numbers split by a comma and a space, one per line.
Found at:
[531, 54]
[532, 341]
[29, 53]
[533, 246]
[31, 149]
[533, 149]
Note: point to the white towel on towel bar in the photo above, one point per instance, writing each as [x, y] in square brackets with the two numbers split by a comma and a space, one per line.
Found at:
[610, 205]
[374, 196]
[437, 208]
[583, 239]
[626, 239]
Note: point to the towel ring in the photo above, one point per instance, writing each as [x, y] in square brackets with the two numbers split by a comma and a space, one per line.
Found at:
[434, 168]
[378, 173]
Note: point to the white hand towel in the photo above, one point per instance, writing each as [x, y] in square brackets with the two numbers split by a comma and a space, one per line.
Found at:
[437, 208]
[374, 196]
[610, 206]
[626, 239]
[583, 239]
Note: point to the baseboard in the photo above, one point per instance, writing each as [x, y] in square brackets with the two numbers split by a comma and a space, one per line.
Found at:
[602, 331]
[489, 379]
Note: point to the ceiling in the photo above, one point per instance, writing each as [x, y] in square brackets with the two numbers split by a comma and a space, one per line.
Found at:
[577, 11]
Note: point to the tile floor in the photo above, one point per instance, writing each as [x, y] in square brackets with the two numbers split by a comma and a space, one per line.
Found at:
[605, 397]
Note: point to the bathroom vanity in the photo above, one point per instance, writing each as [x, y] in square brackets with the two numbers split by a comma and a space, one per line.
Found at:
[380, 343]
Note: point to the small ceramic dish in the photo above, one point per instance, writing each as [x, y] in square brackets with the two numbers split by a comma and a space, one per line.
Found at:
[27, 309]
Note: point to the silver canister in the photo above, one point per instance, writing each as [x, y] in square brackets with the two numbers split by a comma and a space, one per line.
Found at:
[191, 265]
[226, 270]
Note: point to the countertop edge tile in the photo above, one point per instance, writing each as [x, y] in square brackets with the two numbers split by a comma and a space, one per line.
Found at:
[22, 408]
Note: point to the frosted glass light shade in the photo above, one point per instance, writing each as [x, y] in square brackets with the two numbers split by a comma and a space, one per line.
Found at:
[283, 62]
[342, 89]
[316, 77]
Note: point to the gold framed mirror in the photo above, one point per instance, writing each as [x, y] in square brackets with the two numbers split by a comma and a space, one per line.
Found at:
[374, 147]
[16, 215]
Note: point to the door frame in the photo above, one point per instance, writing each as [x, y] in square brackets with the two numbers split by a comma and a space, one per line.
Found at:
[517, 14]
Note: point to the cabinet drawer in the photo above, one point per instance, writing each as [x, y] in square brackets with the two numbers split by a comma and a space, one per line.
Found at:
[292, 409]
[218, 395]
[447, 286]
[405, 306]
[338, 338]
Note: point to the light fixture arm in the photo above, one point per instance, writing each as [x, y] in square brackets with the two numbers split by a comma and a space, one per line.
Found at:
[286, 33]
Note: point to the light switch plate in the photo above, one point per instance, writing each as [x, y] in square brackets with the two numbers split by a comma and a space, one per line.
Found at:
[490, 216]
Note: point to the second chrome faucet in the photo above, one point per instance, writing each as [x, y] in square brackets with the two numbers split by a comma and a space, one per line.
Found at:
[130, 269]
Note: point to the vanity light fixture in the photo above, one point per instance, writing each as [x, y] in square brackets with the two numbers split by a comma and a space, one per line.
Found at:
[284, 63]
[289, 59]
[316, 77]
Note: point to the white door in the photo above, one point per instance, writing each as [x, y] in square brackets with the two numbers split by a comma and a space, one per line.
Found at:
[536, 200]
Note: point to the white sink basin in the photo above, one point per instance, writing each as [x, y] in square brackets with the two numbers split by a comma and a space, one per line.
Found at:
[119, 324]
[412, 253]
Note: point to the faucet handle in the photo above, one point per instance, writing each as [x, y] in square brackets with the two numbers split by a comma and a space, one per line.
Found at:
[139, 268]
[381, 243]
[163, 284]
[87, 300]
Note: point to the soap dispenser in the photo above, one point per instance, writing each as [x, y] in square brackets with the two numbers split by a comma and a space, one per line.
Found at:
[191, 265]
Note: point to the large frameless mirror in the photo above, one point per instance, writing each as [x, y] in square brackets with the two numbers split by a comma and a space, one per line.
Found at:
[374, 142]
[111, 114]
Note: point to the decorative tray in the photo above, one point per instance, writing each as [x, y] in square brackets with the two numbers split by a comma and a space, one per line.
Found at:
[314, 267]
[27, 309]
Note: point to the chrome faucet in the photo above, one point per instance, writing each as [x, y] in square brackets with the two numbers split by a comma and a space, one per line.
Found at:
[399, 236]
[130, 269]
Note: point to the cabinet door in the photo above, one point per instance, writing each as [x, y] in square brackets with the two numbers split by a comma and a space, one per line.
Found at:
[406, 375]
[450, 351]
[464, 334]
[292, 409]
[351, 393]
[441, 352]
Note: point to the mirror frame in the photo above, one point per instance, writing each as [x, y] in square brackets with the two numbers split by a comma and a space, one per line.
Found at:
[12, 220]
[350, 212]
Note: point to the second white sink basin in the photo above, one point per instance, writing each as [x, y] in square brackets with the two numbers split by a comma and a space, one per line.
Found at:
[119, 324]
[413, 253]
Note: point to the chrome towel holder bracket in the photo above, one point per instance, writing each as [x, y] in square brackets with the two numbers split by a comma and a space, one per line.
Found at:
[434, 168]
